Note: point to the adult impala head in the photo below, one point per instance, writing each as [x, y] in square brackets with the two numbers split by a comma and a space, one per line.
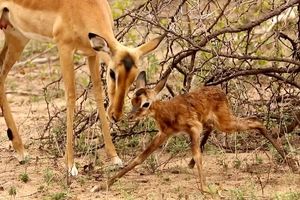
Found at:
[122, 69]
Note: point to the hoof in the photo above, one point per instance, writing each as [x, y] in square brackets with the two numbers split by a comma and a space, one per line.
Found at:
[117, 162]
[191, 164]
[98, 188]
[73, 171]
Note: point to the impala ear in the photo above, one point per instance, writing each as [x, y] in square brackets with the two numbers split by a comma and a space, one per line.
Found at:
[141, 80]
[149, 46]
[98, 43]
[161, 84]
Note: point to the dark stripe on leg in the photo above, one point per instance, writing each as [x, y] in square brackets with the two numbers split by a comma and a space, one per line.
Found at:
[10, 134]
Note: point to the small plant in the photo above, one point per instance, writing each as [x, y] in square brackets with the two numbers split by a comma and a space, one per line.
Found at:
[237, 194]
[237, 163]
[82, 181]
[48, 176]
[35, 98]
[152, 163]
[13, 86]
[288, 196]
[221, 160]
[258, 159]
[59, 196]
[125, 190]
[213, 190]
[177, 145]
[167, 179]
[24, 177]
[12, 191]
[211, 149]
[126, 145]
[81, 144]
[41, 188]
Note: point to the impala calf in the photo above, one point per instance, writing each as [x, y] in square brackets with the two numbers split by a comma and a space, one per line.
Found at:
[206, 107]
[84, 26]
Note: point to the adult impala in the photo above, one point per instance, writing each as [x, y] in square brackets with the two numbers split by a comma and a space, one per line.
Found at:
[85, 26]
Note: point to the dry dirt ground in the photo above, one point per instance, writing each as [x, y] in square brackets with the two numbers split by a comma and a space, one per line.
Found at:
[253, 175]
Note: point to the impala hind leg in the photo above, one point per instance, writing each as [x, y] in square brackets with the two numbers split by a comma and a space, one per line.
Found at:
[197, 155]
[206, 133]
[93, 62]
[234, 124]
[13, 47]
[67, 69]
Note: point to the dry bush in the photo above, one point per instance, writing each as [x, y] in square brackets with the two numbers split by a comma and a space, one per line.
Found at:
[249, 48]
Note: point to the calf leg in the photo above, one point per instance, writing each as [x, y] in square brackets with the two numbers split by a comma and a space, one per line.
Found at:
[197, 156]
[233, 124]
[157, 141]
[208, 129]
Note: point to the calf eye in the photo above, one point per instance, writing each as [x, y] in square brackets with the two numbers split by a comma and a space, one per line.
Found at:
[146, 105]
[112, 74]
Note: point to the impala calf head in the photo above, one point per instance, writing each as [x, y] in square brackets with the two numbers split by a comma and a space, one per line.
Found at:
[122, 69]
[144, 97]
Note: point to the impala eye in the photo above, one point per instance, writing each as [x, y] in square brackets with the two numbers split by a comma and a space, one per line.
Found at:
[112, 74]
[146, 105]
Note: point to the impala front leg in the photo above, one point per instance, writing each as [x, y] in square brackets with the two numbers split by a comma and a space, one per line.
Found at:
[67, 68]
[98, 92]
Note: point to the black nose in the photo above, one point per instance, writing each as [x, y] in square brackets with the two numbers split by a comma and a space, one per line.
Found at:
[130, 115]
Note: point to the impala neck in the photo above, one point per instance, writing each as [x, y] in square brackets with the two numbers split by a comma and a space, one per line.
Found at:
[157, 107]
[113, 43]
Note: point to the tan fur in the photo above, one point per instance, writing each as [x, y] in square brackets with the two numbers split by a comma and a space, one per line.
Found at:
[188, 113]
[69, 24]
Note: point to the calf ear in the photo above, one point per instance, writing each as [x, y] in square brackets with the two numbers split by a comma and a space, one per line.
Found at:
[161, 84]
[98, 43]
[141, 80]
